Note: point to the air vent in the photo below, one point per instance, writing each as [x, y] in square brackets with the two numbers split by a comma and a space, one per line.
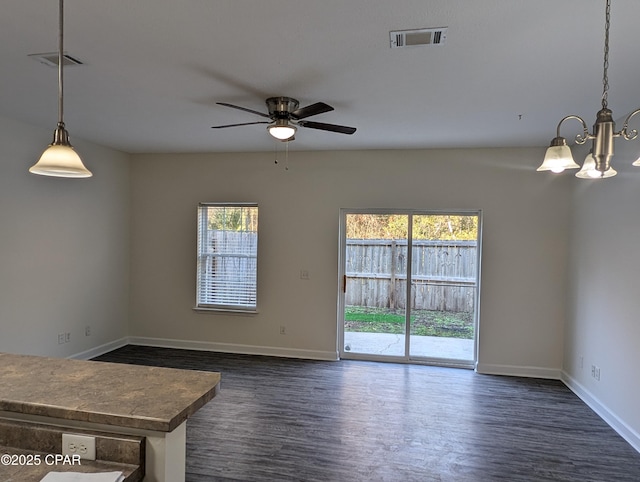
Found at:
[412, 38]
[51, 59]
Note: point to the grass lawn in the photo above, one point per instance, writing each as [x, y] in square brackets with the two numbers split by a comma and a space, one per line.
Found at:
[423, 322]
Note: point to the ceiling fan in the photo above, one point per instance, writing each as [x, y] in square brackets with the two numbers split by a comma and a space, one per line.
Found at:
[286, 116]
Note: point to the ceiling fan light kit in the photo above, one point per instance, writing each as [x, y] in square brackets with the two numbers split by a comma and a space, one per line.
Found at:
[597, 164]
[281, 130]
[60, 159]
[286, 116]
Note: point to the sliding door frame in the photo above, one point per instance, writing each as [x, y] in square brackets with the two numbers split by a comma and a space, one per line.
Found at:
[407, 358]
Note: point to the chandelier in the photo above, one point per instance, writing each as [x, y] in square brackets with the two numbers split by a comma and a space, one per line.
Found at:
[597, 163]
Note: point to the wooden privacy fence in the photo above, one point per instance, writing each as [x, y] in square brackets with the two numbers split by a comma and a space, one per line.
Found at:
[227, 267]
[443, 274]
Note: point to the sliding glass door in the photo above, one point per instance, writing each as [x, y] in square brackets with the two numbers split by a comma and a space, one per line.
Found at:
[375, 274]
[409, 286]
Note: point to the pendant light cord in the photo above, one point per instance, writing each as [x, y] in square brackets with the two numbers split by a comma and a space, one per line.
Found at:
[605, 78]
[60, 61]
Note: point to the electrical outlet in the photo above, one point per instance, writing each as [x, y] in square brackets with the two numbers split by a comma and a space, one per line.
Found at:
[283, 330]
[597, 374]
[67, 337]
[304, 274]
[60, 338]
[87, 330]
[593, 371]
[82, 445]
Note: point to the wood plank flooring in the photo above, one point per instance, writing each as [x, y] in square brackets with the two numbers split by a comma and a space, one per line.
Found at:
[295, 420]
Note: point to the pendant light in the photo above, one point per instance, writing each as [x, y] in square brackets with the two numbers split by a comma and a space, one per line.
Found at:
[558, 156]
[60, 159]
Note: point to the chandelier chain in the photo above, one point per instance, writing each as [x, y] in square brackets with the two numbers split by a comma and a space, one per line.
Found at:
[605, 78]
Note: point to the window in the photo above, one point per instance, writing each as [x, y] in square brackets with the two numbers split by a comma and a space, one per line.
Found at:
[227, 256]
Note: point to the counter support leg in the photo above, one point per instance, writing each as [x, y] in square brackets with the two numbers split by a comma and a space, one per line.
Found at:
[166, 456]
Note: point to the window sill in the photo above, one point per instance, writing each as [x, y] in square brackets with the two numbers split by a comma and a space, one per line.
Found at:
[202, 310]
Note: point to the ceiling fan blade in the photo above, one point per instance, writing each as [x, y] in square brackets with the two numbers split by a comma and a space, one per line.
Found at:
[244, 109]
[313, 109]
[243, 124]
[328, 127]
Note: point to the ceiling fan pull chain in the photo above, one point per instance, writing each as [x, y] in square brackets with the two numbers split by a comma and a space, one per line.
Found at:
[286, 156]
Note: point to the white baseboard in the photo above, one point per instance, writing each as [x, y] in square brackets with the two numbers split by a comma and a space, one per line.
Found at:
[626, 432]
[518, 371]
[234, 348]
[101, 350]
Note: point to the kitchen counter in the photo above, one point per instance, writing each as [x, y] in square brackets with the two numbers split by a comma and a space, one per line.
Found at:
[151, 401]
[141, 397]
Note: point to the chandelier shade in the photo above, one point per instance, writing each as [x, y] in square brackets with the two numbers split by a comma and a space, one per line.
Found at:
[589, 171]
[558, 157]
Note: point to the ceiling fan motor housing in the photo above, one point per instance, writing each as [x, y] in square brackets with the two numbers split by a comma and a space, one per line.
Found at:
[281, 107]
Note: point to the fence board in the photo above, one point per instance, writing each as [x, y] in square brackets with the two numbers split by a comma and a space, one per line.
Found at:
[443, 274]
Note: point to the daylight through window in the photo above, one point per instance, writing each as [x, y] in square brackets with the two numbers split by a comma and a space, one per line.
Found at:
[227, 256]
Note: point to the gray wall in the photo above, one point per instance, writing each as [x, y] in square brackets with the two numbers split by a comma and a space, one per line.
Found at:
[524, 248]
[64, 248]
[603, 326]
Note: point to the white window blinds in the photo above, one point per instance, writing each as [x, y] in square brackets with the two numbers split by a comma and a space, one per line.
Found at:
[227, 256]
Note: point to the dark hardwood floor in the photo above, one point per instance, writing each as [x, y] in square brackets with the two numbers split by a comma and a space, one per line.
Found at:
[295, 420]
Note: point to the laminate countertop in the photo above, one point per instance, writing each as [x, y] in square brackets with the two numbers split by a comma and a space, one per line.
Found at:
[133, 396]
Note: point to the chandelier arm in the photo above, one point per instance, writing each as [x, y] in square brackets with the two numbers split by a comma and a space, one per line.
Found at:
[629, 135]
[580, 138]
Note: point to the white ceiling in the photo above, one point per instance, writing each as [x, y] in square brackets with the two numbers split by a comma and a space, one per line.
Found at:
[154, 70]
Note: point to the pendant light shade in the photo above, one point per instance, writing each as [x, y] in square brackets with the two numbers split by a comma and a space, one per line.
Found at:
[60, 159]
